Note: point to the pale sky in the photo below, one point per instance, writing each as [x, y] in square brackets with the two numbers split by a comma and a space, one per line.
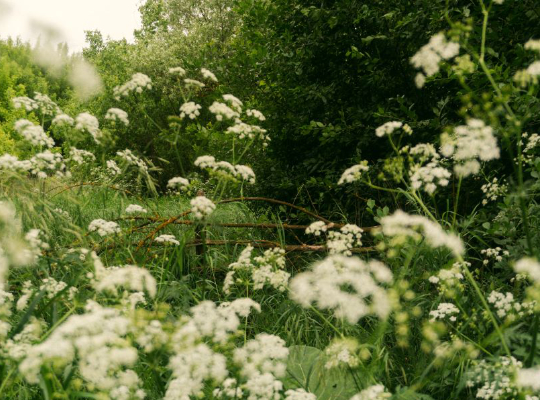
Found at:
[30, 18]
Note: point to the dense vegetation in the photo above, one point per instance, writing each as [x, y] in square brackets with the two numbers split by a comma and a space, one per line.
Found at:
[275, 200]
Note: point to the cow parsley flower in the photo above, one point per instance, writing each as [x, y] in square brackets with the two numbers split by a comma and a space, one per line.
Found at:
[255, 114]
[444, 311]
[470, 143]
[178, 184]
[299, 394]
[316, 228]
[208, 74]
[222, 110]
[135, 208]
[46, 105]
[130, 158]
[25, 102]
[234, 102]
[400, 226]
[390, 127]
[494, 378]
[128, 277]
[342, 352]
[263, 354]
[190, 109]
[353, 173]
[177, 71]
[103, 228]
[430, 55]
[193, 83]
[429, 176]
[265, 270]
[47, 162]
[116, 114]
[81, 156]
[324, 285]
[530, 267]
[171, 239]
[113, 168]
[63, 120]
[138, 83]
[493, 190]
[33, 133]
[533, 44]
[201, 207]
[505, 305]
[87, 122]
[374, 392]
[243, 130]
[343, 241]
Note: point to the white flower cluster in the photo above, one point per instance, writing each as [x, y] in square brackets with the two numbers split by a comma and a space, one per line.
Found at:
[430, 55]
[46, 105]
[243, 130]
[374, 392]
[265, 270]
[255, 114]
[202, 207]
[400, 226]
[137, 84]
[195, 362]
[449, 278]
[135, 209]
[495, 254]
[128, 156]
[63, 120]
[493, 190]
[116, 114]
[113, 168]
[344, 240]
[429, 176]
[178, 184]
[533, 141]
[47, 162]
[470, 143]
[425, 151]
[529, 378]
[233, 101]
[222, 110]
[12, 163]
[36, 244]
[324, 284]
[193, 83]
[190, 109]
[530, 267]
[342, 352]
[25, 102]
[81, 156]
[33, 133]
[97, 339]
[171, 239]
[494, 378]
[177, 71]
[208, 74]
[103, 228]
[389, 127]
[127, 277]
[316, 228]
[299, 394]
[353, 173]
[505, 305]
[444, 311]
[226, 169]
[88, 123]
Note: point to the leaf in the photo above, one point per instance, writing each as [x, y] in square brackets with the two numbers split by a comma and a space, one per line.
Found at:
[305, 369]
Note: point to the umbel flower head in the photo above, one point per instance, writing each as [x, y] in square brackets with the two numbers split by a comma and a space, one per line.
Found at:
[324, 286]
[401, 226]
